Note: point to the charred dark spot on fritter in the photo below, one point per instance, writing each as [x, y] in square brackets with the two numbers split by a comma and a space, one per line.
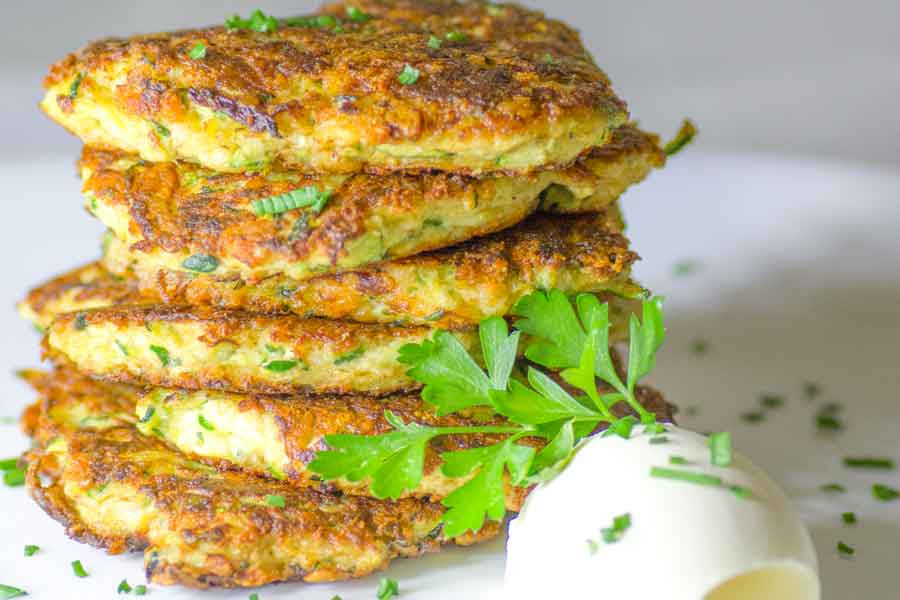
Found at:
[252, 118]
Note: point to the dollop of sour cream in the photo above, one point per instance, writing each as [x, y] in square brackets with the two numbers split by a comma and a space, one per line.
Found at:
[685, 541]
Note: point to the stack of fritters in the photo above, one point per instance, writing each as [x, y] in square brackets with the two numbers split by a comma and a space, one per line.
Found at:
[287, 206]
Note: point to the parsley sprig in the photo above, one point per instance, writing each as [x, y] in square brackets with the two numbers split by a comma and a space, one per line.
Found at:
[571, 340]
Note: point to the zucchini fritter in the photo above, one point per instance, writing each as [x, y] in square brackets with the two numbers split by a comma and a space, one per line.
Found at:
[449, 288]
[171, 212]
[201, 348]
[504, 89]
[122, 491]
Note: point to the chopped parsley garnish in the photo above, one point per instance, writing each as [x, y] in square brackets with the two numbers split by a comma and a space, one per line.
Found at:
[845, 550]
[258, 21]
[848, 518]
[140, 590]
[253, 596]
[826, 422]
[833, 488]
[78, 569]
[124, 587]
[161, 129]
[409, 75]
[31, 550]
[741, 492]
[434, 42]
[305, 197]
[387, 589]
[620, 525]
[884, 493]
[162, 354]
[275, 500]
[885, 464]
[81, 322]
[198, 51]
[678, 460]
[201, 263]
[204, 423]
[456, 36]
[76, 84]
[720, 449]
[8, 591]
[685, 136]
[356, 15]
[569, 335]
[350, 356]
[281, 366]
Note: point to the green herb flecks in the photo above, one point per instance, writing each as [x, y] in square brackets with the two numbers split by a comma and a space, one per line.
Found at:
[161, 129]
[884, 493]
[281, 366]
[771, 401]
[14, 477]
[124, 587]
[845, 550]
[686, 267]
[849, 518]
[699, 347]
[148, 414]
[753, 417]
[456, 36]
[356, 15]
[306, 197]
[75, 86]
[720, 449]
[81, 322]
[140, 590]
[78, 569]
[201, 263]
[198, 51]
[686, 476]
[8, 591]
[434, 42]
[31, 550]
[349, 356]
[162, 354]
[573, 338]
[409, 75]
[685, 136]
[828, 423]
[387, 589]
[204, 423]
[868, 462]
[833, 488]
[258, 21]
[616, 532]
[275, 501]
[678, 460]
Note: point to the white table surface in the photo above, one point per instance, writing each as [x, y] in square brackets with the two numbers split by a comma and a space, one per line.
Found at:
[797, 279]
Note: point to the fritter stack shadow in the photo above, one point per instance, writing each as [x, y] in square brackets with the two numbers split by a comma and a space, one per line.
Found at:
[287, 207]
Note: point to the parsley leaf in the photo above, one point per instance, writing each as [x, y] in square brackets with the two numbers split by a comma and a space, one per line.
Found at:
[409, 75]
[258, 21]
[198, 51]
[387, 589]
[8, 591]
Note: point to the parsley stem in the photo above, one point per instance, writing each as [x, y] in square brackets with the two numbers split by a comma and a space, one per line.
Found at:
[519, 431]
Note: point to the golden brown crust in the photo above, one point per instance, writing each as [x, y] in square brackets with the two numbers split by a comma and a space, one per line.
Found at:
[450, 288]
[336, 89]
[170, 211]
[207, 529]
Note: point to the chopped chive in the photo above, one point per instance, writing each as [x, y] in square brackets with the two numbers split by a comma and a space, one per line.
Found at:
[845, 550]
[409, 75]
[75, 86]
[620, 525]
[161, 129]
[832, 408]
[456, 36]
[122, 348]
[201, 263]
[659, 440]
[356, 15]
[14, 477]
[867, 462]
[275, 500]
[254, 596]
[198, 51]
[387, 589]
[678, 460]
[148, 414]
[848, 518]
[434, 42]
[350, 356]
[306, 197]
[884, 493]
[8, 464]
[753, 417]
[280, 366]
[741, 492]
[686, 476]
[124, 587]
[8, 591]
[686, 267]
[162, 354]
[833, 488]
[826, 422]
[204, 423]
[31, 550]
[140, 590]
[771, 401]
[720, 449]
[78, 569]
[258, 21]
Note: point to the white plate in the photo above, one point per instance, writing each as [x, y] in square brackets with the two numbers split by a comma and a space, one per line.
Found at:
[797, 279]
